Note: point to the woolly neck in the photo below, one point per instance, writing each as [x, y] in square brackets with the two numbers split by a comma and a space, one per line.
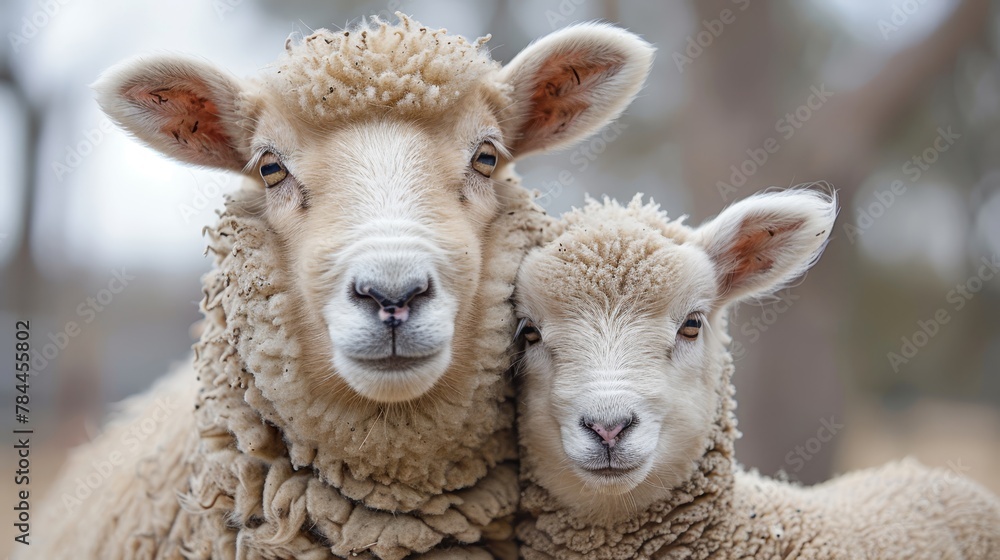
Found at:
[699, 505]
[263, 424]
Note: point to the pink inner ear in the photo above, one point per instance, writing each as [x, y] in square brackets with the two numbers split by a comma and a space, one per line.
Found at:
[182, 113]
[563, 89]
[753, 251]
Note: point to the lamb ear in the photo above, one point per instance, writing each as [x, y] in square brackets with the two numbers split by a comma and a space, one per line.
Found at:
[569, 84]
[763, 242]
[182, 107]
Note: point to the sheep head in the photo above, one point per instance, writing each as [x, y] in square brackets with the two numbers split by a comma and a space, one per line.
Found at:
[376, 151]
[626, 342]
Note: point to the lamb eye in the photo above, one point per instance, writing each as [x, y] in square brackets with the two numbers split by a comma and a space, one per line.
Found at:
[691, 327]
[271, 170]
[528, 331]
[485, 159]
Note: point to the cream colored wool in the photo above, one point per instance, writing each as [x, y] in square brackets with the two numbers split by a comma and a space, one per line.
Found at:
[336, 75]
[395, 145]
[900, 511]
[468, 434]
[139, 481]
[242, 450]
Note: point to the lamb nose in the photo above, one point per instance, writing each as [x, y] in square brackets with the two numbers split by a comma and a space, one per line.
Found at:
[611, 432]
[394, 304]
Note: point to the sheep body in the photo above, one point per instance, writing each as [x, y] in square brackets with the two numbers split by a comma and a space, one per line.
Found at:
[246, 491]
[719, 510]
[74, 521]
[909, 512]
[349, 395]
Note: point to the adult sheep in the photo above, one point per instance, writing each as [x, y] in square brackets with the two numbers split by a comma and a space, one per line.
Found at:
[627, 423]
[347, 396]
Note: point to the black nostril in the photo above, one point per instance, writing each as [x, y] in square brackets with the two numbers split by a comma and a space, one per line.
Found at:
[393, 302]
[414, 291]
[608, 432]
[386, 299]
[367, 290]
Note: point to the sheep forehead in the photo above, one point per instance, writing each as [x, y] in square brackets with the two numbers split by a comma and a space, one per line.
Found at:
[379, 152]
[331, 76]
[385, 170]
[615, 267]
[645, 216]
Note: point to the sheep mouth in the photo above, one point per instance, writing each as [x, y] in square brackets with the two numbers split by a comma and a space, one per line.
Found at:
[610, 472]
[396, 363]
[392, 377]
[610, 464]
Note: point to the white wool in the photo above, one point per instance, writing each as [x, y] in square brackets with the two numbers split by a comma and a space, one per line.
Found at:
[277, 452]
[337, 75]
[255, 481]
[718, 510]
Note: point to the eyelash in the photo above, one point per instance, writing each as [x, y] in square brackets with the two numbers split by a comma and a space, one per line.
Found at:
[690, 328]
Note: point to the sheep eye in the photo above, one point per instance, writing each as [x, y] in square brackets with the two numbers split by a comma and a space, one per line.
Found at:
[528, 331]
[691, 327]
[271, 170]
[485, 159]
[531, 335]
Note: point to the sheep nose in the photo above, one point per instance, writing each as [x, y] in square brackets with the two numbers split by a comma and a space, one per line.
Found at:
[393, 303]
[610, 433]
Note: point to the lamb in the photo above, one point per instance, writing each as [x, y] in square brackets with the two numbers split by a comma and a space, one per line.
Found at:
[626, 417]
[347, 396]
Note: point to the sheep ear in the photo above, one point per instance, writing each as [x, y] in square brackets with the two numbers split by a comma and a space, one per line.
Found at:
[182, 107]
[761, 243]
[569, 84]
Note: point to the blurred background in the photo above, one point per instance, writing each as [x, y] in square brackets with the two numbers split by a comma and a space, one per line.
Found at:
[889, 347]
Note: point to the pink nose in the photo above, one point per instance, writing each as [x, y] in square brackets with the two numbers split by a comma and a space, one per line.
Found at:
[399, 314]
[393, 305]
[609, 433]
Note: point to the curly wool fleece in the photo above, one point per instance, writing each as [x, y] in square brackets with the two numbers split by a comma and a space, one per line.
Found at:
[299, 463]
[901, 511]
[407, 68]
[265, 470]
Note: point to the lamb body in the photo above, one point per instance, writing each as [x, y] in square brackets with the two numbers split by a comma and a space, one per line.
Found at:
[389, 206]
[627, 424]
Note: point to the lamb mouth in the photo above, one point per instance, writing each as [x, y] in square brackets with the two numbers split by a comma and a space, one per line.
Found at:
[610, 472]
